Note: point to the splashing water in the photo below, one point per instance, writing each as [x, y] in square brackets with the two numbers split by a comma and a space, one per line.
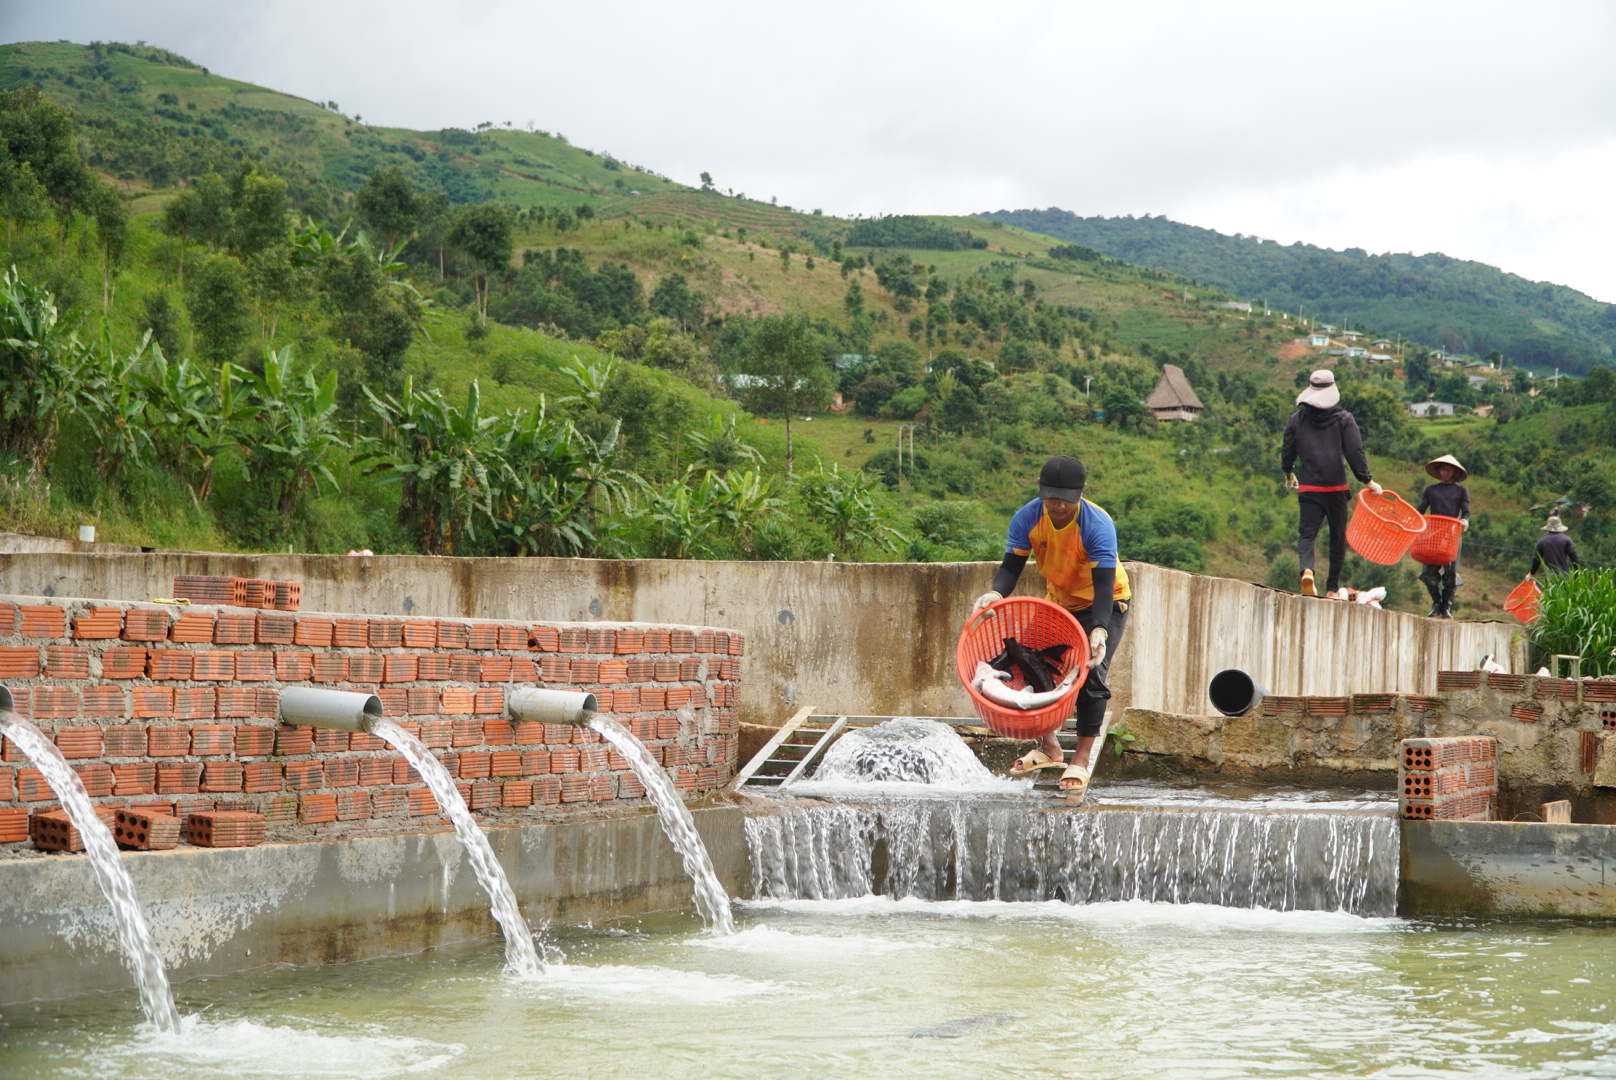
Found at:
[898, 756]
[139, 951]
[711, 899]
[521, 958]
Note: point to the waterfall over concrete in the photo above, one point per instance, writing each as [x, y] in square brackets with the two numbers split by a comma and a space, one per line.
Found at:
[1239, 856]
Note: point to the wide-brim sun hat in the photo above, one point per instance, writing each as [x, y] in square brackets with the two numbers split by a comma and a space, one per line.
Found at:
[1554, 525]
[1321, 391]
[1447, 459]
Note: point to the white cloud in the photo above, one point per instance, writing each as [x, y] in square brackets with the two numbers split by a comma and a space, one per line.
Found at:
[1474, 128]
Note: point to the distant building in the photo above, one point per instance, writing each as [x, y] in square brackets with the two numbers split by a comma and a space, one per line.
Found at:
[1351, 335]
[1354, 352]
[1174, 398]
[1477, 382]
[1235, 305]
[1381, 343]
[1318, 340]
[1378, 357]
[1421, 409]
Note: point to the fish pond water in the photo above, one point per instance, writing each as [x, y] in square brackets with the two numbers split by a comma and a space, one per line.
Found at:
[879, 987]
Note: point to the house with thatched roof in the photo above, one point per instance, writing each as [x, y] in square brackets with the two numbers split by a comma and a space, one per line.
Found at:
[1174, 398]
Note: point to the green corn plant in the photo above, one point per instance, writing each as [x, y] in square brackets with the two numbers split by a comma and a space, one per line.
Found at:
[1576, 616]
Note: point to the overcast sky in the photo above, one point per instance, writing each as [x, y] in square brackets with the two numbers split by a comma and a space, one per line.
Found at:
[1483, 130]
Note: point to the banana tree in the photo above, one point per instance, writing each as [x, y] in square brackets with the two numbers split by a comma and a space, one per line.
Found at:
[558, 488]
[294, 432]
[41, 358]
[194, 416]
[109, 398]
[442, 456]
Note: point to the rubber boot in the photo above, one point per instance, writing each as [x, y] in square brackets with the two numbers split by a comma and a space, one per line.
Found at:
[1309, 587]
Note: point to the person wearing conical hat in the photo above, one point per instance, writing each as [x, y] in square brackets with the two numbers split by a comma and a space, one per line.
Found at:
[1555, 553]
[1319, 437]
[1450, 498]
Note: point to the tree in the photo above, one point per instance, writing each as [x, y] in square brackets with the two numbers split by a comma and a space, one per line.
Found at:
[1417, 373]
[112, 235]
[258, 210]
[483, 232]
[784, 371]
[40, 358]
[387, 203]
[1122, 407]
[294, 434]
[673, 299]
[37, 135]
[220, 312]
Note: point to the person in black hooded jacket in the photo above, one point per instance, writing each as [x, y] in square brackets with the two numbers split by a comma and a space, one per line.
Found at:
[1319, 437]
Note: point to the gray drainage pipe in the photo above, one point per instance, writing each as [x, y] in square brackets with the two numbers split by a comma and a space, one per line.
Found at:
[536, 705]
[342, 709]
[6, 704]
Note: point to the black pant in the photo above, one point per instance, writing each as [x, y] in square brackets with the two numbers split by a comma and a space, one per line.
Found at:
[1441, 581]
[1316, 507]
[1092, 697]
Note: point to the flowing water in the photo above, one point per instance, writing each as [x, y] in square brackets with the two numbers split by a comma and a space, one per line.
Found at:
[897, 989]
[712, 902]
[959, 850]
[139, 951]
[521, 958]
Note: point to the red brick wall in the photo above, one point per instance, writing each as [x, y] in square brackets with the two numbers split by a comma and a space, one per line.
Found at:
[157, 704]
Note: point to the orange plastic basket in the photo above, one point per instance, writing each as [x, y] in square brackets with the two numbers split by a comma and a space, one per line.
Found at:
[1522, 601]
[1037, 624]
[1438, 545]
[1382, 526]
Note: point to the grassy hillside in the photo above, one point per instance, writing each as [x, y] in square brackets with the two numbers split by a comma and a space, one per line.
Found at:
[1456, 304]
[626, 307]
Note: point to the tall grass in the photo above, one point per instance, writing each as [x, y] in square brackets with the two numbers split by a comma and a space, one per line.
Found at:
[1577, 617]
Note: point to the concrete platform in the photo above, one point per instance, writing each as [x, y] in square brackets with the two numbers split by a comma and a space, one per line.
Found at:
[216, 911]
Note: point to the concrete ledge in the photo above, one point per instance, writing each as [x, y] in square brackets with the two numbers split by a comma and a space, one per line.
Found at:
[215, 911]
[1493, 868]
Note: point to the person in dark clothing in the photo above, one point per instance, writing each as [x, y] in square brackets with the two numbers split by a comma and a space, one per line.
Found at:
[1555, 552]
[1450, 498]
[1319, 436]
[1074, 543]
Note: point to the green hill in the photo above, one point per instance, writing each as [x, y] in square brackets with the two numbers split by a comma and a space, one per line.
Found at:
[1459, 305]
[594, 330]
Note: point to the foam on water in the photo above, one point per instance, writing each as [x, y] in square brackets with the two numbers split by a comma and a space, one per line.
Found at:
[764, 940]
[905, 757]
[652, 984]
[243, 1048]
[1117, 914]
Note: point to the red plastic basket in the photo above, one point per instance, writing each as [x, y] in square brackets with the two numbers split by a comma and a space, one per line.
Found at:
[1522, 601]
[1037, 624]
[1382, 526]
[1438, 545]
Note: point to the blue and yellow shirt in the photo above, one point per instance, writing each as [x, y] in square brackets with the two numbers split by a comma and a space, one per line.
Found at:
[1066, 556]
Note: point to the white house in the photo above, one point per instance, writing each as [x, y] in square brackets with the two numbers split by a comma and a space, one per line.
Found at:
[1354, 352]
[1318, 340]
[1235, 305]
[1421, 409]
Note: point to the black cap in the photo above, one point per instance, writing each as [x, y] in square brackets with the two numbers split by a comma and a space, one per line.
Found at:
[1062, 477]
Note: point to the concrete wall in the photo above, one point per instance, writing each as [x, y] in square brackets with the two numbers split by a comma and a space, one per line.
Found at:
[217, 911]
[877, 638]
[1506, 868]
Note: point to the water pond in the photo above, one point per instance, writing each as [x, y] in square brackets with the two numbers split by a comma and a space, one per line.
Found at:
[875, 987]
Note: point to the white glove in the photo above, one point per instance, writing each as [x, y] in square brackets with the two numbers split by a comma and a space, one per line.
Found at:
[1376, 488]
[1464, 524]
[1097, 640]
[984, 600]
[1291, 483]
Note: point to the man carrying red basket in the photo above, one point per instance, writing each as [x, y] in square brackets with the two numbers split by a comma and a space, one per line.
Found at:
[1074, 544]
